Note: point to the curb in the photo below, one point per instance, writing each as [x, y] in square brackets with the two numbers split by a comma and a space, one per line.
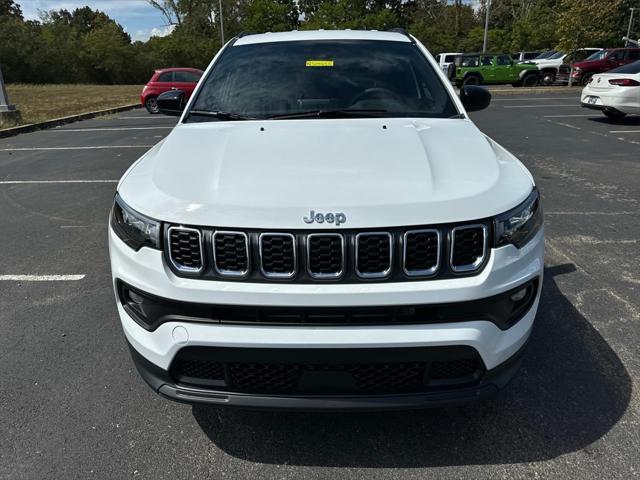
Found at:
[526, 90]
[32, 127]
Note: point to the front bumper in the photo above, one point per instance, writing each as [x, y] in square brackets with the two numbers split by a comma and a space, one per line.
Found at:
[154, 351]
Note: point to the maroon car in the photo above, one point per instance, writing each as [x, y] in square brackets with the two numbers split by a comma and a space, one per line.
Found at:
[603, 61]
[166, 79]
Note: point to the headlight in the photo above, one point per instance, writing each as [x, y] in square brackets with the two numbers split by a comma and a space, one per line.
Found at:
[519, 225]
[577, 69]
[133, 228]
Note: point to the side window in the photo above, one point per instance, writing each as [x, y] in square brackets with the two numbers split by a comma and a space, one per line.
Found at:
[616, 55]
[486, 61]
[165, 77]
[449, 58]
[438, 58]
[186, 76]
[470, 62]
[504, 60]
[634, 55]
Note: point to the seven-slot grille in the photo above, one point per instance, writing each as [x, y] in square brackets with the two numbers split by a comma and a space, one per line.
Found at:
[231, 253]
[348, 256]
[185, 247]
[325, 255]
[421, 252]
[373, 254]
[278, 255]
[468, 245]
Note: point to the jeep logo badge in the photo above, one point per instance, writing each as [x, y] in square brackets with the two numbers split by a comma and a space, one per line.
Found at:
[337, 218]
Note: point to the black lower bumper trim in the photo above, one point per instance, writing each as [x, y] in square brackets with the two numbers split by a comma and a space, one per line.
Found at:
[491, 382]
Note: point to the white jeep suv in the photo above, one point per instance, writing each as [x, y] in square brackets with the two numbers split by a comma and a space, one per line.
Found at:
[326, 228]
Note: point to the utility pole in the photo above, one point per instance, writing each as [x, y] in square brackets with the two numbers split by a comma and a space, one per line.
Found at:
[9, 114]
[632, 9]
[221, 22]
[486, 26]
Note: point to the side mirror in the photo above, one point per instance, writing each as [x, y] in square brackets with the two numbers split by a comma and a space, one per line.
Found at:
[171, 102]
[474, 98]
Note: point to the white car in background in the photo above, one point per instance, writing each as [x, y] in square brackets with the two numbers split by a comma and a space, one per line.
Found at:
[616, 93]
[445, 60]
[550, 67]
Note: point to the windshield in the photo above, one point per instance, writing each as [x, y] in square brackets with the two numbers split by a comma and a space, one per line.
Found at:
[597, 55]
[629, 68]
[557, 55]
[273, 79]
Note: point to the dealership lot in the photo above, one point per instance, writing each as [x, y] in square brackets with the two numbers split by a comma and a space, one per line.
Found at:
[72, 406]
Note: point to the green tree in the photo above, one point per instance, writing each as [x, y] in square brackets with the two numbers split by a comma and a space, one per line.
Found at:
[9, 8]
[585, 22]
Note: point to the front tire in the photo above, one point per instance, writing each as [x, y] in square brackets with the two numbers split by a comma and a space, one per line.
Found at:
[614, 114]
[151, 104]
[471, 80]
[548, 78]
[530, 80]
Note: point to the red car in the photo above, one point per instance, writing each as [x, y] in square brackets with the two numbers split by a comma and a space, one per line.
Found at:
[166, 79]
[603, 61]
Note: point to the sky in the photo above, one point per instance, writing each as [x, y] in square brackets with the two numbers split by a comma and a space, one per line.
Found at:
[138, 18]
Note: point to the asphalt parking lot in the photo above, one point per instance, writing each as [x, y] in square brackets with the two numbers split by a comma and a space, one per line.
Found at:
[73, 406]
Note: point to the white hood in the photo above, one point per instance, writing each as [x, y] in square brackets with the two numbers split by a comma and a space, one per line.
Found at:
[378, 172]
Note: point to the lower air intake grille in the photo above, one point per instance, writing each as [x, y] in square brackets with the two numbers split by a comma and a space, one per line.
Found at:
[278, 254]
[185, 248]
[422, 252]
[373, 254]
[231, 253]
[325, 255]
[468, 245]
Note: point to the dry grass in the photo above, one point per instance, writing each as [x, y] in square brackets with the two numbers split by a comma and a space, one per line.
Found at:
[38, 103]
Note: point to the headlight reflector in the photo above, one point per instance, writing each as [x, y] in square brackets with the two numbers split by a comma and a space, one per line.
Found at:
[133, 228]
[519, 225]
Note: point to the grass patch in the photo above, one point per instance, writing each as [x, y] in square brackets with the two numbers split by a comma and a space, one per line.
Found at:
[38, 103]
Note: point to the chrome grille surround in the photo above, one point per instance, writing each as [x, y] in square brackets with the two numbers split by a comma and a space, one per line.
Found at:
[178, 266]
[427, 272]
[231, 273]
[370, 275]
[334, 275]
[281, 275]
[470, 267]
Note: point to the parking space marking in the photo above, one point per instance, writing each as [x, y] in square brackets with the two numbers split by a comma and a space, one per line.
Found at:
[46, 182]
[532, 98]
[570, 115]
[97, 147]
[590, 213]
[141, 118]
[564, 125]
[624, 131]
[110, 129]
[41, 278]
[541, 106]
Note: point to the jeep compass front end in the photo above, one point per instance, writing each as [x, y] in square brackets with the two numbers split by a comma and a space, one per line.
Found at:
[326, 228]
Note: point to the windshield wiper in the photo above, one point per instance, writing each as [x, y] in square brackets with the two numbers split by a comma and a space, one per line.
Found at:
[338, 113]
[220, 115]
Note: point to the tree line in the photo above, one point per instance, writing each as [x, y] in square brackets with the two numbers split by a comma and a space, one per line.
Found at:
[87, 46]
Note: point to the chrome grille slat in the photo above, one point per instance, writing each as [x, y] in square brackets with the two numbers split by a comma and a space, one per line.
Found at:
[368, 263]
[325, 255]
[185, 249]
[421, 252]
[468, 247]
[278, 257]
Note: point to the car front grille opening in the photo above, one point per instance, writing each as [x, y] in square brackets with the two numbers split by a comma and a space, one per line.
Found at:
[373, 254]
[185, 249]
[325, 255]
[278, 255]
[231, 253]
[327, 377]
[468, 246]
[421, 252]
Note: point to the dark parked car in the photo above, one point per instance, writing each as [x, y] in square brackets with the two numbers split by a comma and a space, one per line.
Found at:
[603, 61]
[166, 79]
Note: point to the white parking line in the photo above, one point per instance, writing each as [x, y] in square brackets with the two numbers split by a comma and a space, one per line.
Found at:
[532, 98]
[41, 278]
[112, 129]
[568, 116]
[150, 117]
[540, 106]
[98, 147]
[624, 131]
[45, 182]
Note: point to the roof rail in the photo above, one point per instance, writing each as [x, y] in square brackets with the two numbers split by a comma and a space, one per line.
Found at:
[401, 31]
[243, 34]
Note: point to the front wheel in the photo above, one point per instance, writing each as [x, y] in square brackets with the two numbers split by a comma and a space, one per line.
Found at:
[530, 80]
[548, 78]
[151, 104]
[471, 80]
[614, 114]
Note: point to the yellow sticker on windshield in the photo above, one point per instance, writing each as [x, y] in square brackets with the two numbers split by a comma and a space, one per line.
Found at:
[319, 63]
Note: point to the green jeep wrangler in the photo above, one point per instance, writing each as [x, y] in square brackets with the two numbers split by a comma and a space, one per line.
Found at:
[489, 68]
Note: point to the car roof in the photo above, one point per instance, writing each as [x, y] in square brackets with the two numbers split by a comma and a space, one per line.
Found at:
[173, 69]
[296, 35]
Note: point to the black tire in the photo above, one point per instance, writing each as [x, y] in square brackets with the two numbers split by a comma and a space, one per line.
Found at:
[585, 79]
[151, 105]
[530, 80]
[471, 80]
[547, 78]
[614, 114]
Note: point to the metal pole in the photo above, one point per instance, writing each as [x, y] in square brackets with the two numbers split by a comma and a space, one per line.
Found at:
[626, 43]
[486, 26]
[5, 106]
[221, 22]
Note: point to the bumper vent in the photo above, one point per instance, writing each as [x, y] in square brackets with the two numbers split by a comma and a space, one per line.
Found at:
[231, 253]
[325, 255]
[468, 247]
[373, 254]
[278, 255]
[421, 252]
[185, 249]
